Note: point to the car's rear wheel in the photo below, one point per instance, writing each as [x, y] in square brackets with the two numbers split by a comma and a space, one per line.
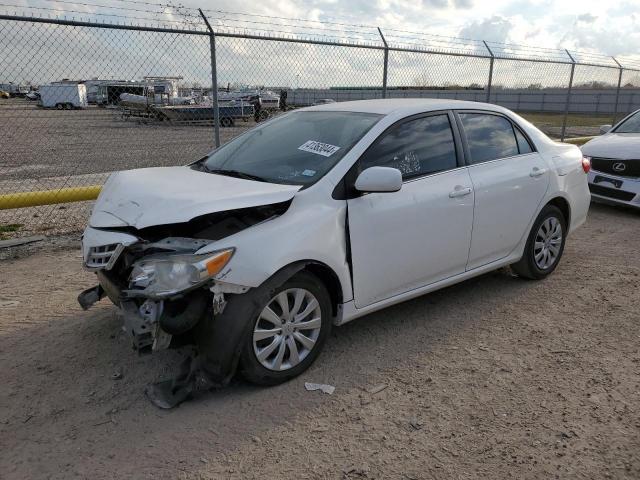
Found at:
[287, 332]
[545, 245]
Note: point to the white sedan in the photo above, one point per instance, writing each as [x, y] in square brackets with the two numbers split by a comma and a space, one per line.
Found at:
[321, 216]
[615, 161]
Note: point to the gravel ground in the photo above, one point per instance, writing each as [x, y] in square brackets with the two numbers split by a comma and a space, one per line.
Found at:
[40, 143]
[495, 377]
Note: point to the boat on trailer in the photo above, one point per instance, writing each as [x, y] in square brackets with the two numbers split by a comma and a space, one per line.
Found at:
[229, 114]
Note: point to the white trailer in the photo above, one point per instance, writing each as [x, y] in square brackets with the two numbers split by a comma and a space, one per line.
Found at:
[63, 96]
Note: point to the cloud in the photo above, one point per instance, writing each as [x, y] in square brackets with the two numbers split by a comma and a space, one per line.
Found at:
[463, 4]
[494, 29]
[595, 34]
[435, 3]
[587, 18]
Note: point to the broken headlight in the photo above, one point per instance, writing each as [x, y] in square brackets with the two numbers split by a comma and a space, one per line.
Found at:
[170, 274]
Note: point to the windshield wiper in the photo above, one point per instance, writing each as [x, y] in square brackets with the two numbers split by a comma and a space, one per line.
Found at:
[236, 173]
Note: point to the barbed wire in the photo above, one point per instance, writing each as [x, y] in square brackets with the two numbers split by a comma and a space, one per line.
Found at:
[79, 12]
[86, 4]
[258, 22]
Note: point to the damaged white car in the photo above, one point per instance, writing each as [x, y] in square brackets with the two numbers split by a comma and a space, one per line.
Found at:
[321, 216]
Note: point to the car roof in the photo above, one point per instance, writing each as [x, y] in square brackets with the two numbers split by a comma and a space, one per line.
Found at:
[398, 108]
[403, 106]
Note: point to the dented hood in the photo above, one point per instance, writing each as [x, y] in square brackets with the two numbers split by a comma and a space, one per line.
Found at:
[159, 196]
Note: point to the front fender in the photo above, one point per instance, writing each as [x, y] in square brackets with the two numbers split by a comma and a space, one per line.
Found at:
[304, 233]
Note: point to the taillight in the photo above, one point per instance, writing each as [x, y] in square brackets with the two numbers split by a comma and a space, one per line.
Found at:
[586, 164]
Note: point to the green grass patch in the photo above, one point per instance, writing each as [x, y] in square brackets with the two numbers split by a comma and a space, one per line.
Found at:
[10, 228]
[573, 119]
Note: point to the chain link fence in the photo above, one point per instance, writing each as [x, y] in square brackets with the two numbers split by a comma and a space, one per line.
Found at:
[87, 99]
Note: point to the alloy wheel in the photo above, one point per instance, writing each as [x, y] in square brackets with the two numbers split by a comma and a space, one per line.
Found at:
[287, 329]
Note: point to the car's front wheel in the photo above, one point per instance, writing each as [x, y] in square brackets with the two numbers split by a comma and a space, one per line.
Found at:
[287, 332]
[545, 245]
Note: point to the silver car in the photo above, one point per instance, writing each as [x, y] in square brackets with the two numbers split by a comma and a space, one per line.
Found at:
[615, 162]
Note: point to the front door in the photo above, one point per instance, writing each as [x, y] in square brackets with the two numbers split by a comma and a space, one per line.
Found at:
[421, 234]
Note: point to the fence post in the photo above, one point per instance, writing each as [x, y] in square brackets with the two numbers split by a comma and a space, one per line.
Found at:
[386, 64]
[615, 109]
[214, 82]
[566, 105]
[490, 71]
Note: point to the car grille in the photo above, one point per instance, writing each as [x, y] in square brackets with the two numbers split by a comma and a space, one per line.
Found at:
[615, 167]
[103, 256]
[612, 192]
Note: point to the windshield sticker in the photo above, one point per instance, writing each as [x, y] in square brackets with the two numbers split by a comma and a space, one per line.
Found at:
[319, 148]
[309, 173]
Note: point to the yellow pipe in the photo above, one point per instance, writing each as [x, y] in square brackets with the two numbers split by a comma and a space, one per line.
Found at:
[48, 197]
[578, 140]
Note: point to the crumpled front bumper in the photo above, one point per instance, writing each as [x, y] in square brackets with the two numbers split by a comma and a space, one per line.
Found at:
[214, 318]
[142, 317]
[141, 322]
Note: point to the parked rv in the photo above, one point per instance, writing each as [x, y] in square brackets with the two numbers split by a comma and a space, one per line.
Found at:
[63, 96]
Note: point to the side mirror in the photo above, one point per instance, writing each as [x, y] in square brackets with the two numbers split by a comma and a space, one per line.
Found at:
[379, 179]
[604, 129]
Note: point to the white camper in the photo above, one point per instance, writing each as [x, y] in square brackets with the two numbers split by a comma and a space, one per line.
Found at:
[63, 96]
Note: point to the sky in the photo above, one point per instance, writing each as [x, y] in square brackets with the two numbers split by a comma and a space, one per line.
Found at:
[605, 28]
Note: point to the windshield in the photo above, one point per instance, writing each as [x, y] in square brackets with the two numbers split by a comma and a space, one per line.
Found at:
[630, 125]
[298, 148]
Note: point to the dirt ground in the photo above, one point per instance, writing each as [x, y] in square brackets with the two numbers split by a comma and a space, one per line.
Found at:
[495, 377]
[43, 143]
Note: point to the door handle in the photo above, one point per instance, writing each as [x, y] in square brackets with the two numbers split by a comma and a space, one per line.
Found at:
[537, 172]
[460, 191]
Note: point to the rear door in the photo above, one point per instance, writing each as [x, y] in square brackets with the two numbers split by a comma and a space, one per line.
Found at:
[421, 234]
[509, 178]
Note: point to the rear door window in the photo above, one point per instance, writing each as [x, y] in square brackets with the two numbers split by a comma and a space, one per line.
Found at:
[489, 137]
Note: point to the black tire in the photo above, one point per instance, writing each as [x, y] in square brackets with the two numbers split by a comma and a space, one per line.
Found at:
[251, 368]
[527, 267]
[59, 106]
[226, 122]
